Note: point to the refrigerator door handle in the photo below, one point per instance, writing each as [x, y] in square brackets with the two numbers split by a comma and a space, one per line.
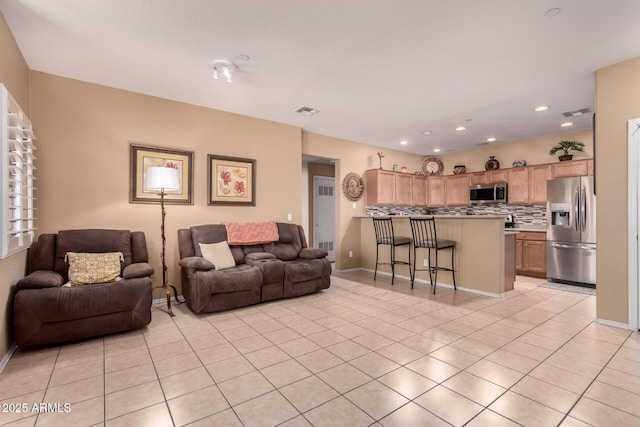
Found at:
[583, 209]
[563, 246]
[576, 214]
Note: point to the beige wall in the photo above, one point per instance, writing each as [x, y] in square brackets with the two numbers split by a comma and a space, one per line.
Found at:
[84, 131]
[14, 74]
[534, 151]
[617, 101]
[352, 157]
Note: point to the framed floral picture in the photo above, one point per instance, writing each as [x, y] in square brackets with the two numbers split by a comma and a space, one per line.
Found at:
[143, 157]
[232, 181]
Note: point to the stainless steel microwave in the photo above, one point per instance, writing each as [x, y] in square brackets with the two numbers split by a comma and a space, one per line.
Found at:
[488, 193]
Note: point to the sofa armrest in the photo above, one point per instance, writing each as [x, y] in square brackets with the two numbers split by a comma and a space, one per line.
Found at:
[257, 256]
[41, 279]
[196, 263]
[138, 269]
[312, 253]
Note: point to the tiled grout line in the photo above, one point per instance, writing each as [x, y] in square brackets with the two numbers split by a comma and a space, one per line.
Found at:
[526, 374]
[153, 362]
[322, 303]
[594, 380]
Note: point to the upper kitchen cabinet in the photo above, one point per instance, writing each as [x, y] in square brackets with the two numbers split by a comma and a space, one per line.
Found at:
[457, 190]
[528, 185]
[573, 168]
[518, 186]
[419, 190]
[380, 186]
[538, 177]
[436, 191]
[403, 189]
[488, 177]
[395, 188]
[496, 176]
[477, 178]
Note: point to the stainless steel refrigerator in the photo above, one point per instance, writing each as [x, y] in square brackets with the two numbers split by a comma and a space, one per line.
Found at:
[571, 231]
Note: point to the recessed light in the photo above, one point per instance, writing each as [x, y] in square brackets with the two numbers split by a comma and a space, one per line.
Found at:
[461, 128]
[427, 132]
[492, 139]
[404, 142]
[436, 150]
[541, 108]
[566, 124]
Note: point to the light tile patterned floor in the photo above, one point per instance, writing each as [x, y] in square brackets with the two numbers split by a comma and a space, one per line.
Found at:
[358, 354]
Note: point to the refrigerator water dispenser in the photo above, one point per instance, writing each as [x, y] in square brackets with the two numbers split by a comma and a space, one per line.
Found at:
[560, 214]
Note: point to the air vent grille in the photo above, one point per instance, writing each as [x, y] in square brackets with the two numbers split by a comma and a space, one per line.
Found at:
[577, 112]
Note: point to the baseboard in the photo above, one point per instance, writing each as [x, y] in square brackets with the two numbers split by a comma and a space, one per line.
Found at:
[6, 357]
[612, 323]
[438, 284]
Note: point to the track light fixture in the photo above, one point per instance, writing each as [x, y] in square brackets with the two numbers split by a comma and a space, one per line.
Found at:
[224, 68]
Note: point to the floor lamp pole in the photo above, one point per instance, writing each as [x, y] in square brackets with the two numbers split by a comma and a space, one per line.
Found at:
[165, 286]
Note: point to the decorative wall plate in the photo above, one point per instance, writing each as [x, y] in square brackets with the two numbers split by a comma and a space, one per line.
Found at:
[432, 166]
[492, 164]
[353, 186]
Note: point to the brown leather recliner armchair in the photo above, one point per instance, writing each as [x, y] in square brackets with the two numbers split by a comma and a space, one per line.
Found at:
[46, 312]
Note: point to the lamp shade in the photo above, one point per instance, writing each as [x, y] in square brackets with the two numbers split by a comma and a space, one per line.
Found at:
[162, 178]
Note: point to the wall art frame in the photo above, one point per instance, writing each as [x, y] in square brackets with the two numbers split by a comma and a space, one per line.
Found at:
[231, 181]
[144, 156]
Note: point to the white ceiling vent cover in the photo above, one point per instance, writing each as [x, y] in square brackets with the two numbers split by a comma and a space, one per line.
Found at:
[307, 111]
[577, 112]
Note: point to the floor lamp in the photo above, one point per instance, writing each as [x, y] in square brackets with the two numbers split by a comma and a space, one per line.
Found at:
[163, 180]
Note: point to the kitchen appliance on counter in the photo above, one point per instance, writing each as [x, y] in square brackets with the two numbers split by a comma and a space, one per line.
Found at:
[488, 193]
[509, 221]
[571, 231]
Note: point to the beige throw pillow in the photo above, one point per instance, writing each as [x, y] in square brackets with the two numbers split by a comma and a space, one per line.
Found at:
[86, 268]
[219, 254]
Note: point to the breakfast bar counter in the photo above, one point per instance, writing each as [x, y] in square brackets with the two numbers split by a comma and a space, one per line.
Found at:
[483, 259]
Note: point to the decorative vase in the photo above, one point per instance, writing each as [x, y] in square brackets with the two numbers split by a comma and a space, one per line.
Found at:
[565, 157]
[459, 169]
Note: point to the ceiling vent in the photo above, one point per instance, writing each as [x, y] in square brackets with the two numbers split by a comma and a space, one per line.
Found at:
[578, 112]
[307, 111]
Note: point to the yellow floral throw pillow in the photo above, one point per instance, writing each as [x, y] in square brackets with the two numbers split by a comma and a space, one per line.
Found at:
[86, 268]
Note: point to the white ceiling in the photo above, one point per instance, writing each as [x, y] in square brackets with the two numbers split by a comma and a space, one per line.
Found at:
[379, 71]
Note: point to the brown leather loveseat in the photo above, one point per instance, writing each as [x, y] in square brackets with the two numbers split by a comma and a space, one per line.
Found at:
[262, 272]
[47, 312]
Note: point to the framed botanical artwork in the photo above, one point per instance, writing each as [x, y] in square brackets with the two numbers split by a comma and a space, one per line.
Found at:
[143, 157]
[232, 181]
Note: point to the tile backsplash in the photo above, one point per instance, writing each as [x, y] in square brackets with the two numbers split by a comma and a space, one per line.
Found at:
[523, 214]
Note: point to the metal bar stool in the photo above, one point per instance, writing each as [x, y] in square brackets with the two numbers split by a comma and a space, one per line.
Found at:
[425, 237]
[386, 236]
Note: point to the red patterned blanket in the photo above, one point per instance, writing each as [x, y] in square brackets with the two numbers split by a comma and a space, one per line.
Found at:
[251, 233]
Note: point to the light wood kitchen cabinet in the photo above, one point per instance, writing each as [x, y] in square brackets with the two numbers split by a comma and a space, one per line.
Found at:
[436, 192]
[476, 178]
[531, 254]
[495, 176]
[404, 189]
[488, 177]
[380, 185]
[518, 186]
[528, 185]
[419, 186]
[571, 168]
[457, 190]
[538, 177]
